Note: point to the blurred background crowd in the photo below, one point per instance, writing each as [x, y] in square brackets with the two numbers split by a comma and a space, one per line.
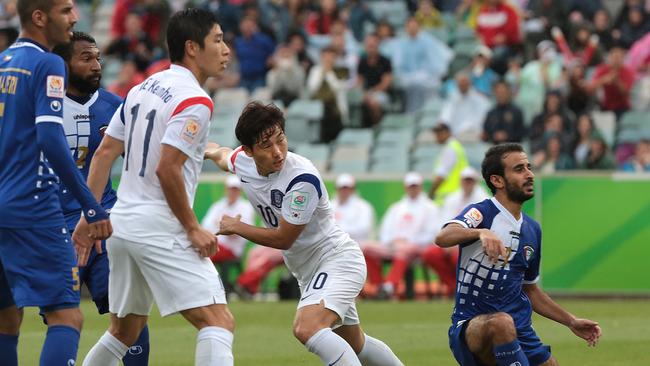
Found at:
[364, 82]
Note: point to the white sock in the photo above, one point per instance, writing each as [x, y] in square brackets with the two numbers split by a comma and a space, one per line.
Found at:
[377, 353]
[108, 351]
[214, 347]
[332, 349]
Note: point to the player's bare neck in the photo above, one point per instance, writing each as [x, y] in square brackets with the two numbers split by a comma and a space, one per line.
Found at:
[513, 207]
[35, 36]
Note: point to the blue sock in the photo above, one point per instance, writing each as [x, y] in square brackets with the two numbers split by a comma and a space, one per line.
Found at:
[510, 354]
[8, 350]
[60, 346]
[138, 354]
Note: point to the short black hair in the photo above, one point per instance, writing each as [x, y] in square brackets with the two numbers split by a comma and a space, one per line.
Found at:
[256, 121]
[65, 49]
[27, 7]
[493, 161]
[192, 24]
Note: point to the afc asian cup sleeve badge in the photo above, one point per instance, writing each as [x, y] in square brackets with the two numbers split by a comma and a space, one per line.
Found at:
[473, 217]
[276, 198]
[528, 252]
[190, 130]
[55, 86]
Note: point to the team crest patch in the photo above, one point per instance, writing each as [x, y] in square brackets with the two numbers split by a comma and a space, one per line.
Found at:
[190, 130]
[528, 252]
[276, 198]
[473, 217]
[299, 200]
[55, 87]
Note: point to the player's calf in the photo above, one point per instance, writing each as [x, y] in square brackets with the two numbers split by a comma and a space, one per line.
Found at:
[10, 320]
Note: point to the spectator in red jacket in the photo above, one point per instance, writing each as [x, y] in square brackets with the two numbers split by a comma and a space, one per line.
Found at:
[497, 25]
[615, 80]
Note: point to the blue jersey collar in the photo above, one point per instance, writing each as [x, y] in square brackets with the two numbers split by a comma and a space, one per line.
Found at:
[31, 41]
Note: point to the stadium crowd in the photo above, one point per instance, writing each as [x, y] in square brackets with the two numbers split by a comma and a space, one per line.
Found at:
[571, 79]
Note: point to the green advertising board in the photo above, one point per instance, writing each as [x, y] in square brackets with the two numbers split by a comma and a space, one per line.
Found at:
[596, 229]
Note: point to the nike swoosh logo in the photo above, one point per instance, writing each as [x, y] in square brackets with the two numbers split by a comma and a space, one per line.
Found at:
[338, 359]
[243, 181]
[306, 296]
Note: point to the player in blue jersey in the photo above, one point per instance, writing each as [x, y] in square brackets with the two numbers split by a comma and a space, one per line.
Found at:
[87, 110]
[498, 271]
[36, 254]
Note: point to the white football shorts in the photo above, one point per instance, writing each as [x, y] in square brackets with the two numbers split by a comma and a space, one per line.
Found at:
[177, 279]
[337, 282]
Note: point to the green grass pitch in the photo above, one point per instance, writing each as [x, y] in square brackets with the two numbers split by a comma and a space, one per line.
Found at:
[416, 331]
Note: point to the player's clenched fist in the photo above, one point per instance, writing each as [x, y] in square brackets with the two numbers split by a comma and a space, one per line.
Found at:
[227, 224]
[203, 241]
[100, 230]
[492, 245]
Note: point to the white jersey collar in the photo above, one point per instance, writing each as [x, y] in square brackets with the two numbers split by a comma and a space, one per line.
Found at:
[506, 212]
[183, 71]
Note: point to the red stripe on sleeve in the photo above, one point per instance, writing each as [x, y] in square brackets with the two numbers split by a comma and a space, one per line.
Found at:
[233, 157]
[193, 101]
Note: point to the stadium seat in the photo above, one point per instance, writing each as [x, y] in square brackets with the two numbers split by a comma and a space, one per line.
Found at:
[308, 109]
[427, 152]
[355, 136]
[634, 120]
[349, 166]
[314, 152]
[300, 130]
[350, 153]
[423, 167]
[400, 137]
[425, 136]
[230, 100]
[397, 120]
[388, 152]
[394, 165]
[262, 94]
[476, 152]
[605, 122]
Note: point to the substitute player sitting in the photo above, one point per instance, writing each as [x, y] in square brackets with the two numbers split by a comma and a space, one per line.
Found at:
[299, 220]
[498, 271]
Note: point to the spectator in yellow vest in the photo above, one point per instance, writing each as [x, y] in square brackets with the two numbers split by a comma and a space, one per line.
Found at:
[451, 161]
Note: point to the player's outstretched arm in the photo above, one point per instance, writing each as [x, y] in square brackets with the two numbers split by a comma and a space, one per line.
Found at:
[170, 173]
[545, 306]
[455, 234]
[218, 154]
[98, 174]
[50, 138]
[281, 237]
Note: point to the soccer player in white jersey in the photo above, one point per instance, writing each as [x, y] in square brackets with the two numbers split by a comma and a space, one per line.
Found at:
[498, 271]
[294, 204]
[160, 252]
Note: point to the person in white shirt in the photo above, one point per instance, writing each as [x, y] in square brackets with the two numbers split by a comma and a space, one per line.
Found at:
[465, 110]
[352, 213]
[445, 260]
[231, 247]
[329, 266]
[158, 250]
[407, 229]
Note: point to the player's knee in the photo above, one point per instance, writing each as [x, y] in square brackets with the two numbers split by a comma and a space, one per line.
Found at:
[303, 331]
[501, 328]
[71, 317]
[10, 320]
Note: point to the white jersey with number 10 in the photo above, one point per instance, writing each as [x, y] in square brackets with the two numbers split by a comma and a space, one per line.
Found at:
[170, 108]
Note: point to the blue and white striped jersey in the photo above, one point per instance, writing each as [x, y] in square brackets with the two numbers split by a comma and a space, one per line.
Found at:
[483, 287]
